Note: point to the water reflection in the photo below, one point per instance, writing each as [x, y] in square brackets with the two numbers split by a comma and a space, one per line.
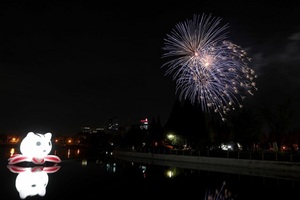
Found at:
[32, 181]
[88, 174]
[221, 193]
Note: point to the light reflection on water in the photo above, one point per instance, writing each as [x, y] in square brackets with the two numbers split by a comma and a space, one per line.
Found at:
[84, 176]
[32, 181]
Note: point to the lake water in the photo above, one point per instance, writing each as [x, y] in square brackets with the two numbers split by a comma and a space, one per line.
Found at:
[81, 176]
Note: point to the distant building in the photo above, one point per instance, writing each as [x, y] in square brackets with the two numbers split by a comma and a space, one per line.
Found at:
[144, 124]
[112, 124]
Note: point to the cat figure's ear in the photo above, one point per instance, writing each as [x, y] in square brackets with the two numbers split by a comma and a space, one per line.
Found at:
[48, 136]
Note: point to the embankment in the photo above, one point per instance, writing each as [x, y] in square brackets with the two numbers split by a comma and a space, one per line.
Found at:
[273, 169]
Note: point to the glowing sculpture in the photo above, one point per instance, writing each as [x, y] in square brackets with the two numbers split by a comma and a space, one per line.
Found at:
[35, 148]
[32, 181]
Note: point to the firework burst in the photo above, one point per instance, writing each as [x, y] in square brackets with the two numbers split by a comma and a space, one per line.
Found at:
[207, 68]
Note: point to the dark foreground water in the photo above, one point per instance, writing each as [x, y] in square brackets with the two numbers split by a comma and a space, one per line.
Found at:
[79, 176]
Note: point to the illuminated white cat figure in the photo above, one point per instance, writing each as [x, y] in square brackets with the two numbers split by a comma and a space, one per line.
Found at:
[36, 145]
[35, 148]
[32, 181]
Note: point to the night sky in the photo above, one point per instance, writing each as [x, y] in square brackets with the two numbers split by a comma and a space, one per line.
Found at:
[68, 64]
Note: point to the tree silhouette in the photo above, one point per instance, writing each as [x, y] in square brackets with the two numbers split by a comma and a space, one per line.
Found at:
[155, 130]
[279, 121]
[246, 125]
[187, 121]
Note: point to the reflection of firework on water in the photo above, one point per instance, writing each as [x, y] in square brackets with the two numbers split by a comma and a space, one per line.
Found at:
[219, 194]
[208, 69]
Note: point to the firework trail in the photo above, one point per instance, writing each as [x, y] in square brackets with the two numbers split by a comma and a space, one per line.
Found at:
[208, 69]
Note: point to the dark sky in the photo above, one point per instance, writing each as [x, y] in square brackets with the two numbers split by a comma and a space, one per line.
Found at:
[68, 64]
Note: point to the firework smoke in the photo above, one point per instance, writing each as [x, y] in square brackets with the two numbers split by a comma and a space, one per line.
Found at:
[208, 69]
